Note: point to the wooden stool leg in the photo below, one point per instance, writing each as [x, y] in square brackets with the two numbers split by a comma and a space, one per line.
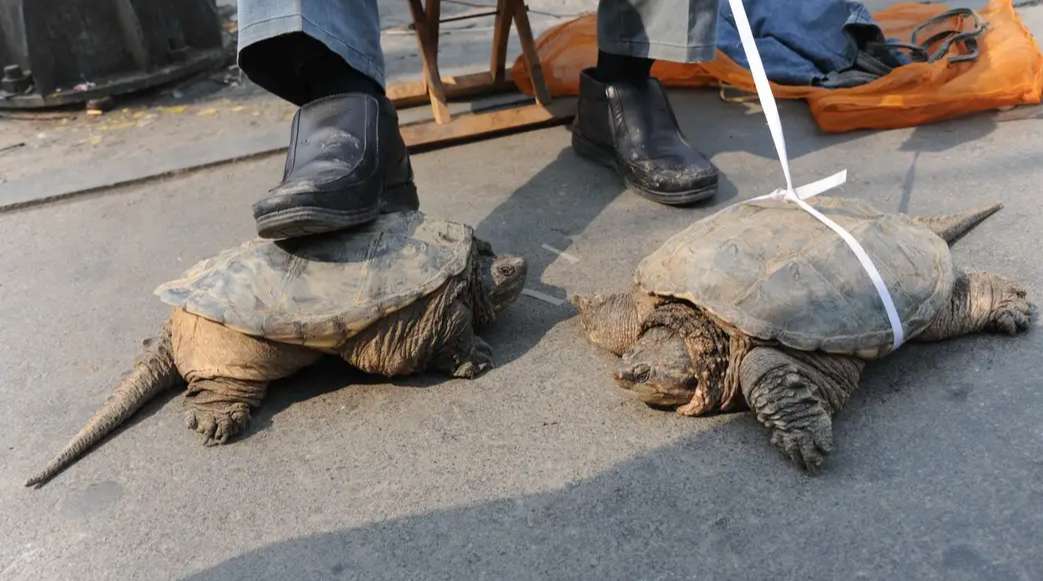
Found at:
[501, 34]
[433, 15]
[532, 59]
[427, 40]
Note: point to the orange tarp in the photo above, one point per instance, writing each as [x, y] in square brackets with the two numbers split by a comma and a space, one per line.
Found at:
[1008, 72]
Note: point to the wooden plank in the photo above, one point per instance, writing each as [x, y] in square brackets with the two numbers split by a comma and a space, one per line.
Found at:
[532, 59]
[428, 45]
[428, 135]
[414, 93]
[501, 34]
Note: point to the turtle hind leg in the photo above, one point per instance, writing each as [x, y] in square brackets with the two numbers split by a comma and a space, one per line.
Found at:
[981, 301]
[794, 394]
[219, 409]
[228, 373]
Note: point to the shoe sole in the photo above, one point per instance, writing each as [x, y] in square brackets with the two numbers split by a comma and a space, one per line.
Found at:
[607, 157]
[309, 220]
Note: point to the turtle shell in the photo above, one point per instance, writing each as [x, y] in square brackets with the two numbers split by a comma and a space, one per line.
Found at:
[774, 272]
[320, 290]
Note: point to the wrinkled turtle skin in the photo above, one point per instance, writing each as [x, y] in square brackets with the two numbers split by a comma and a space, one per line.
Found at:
[404, 294]
[761, 306]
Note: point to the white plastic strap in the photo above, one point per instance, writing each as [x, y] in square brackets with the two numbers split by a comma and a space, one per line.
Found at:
[798, 195]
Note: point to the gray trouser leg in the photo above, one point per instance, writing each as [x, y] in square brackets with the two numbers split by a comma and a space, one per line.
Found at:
[671, 30]
[350, 28]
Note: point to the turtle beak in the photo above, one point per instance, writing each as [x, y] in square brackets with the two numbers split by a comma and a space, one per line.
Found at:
[628, 376]
[655, 391]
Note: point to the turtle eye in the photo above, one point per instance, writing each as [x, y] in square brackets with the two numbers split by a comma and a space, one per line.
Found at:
[641, 372]
[505, 270]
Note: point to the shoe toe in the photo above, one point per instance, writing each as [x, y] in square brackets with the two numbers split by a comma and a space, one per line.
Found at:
[673, 175]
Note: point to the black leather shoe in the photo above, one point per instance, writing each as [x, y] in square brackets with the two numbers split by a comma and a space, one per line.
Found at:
[630, 126]
[346, 164]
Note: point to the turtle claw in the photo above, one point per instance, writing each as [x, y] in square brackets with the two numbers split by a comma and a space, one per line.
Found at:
[1013, 313]
[480, 361]
[216, 427]
[806, 446]
[478, 365]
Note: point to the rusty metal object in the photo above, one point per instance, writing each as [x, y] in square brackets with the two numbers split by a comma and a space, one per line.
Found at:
[62, 52]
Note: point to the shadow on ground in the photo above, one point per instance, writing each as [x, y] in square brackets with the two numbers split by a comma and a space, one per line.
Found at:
[717, 504]
[939, 139]
[721, 503]
[329, 374]
[523, 217]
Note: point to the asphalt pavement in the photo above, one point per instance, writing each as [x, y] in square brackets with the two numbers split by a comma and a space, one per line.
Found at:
[542, 468]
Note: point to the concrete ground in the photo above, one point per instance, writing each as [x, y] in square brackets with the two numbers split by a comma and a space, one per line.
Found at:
[542, 468]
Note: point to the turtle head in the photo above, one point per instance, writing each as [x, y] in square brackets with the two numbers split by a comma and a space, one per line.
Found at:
[681, 359]
[658, 370]
[502, 277]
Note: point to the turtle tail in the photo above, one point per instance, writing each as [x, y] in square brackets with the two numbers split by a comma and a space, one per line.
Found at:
[952, 227]
[153, 372]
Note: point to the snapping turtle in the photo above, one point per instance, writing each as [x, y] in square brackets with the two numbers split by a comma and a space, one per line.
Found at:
[762, 306]
[401, 295]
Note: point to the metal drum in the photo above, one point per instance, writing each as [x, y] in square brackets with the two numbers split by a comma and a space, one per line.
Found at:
[61, 52]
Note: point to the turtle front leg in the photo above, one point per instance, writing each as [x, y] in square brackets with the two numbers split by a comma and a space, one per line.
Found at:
[459, 351]
[981, 301]
[794, 394]
[611, 322]
[467, 357]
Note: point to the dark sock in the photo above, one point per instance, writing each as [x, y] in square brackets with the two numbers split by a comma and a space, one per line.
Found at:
[616, 67]
[328, 74]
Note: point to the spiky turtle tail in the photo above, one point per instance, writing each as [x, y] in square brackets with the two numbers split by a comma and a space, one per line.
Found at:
[952, 227]
[153, 372]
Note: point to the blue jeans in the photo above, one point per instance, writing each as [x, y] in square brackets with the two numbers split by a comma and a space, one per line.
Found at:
[673, 30]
